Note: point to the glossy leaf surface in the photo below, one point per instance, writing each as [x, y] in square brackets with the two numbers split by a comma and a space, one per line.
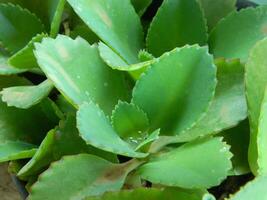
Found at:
[168, 90]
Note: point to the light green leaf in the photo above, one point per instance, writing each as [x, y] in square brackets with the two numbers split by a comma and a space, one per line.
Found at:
[115, 22]
[256, 82]
[256, 190]
[84, 175]
[77, 70]
[24, 59]
[150, 138]
[238, 139]
[262, 137]
[26, 96]
[61, 141]
[153, 194]
[6, 69]
[17, 124]
[16, 150]
[235, 35]
[116, 62]
[129, 121]
[198, 164]
[141, 5]
[14, 34]
[188, 26]
[228, 107]
[97, 131]
[260, 2]
[215, 10]
[177, 89]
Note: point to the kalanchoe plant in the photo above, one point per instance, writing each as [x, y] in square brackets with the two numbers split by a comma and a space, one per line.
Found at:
[134, 99]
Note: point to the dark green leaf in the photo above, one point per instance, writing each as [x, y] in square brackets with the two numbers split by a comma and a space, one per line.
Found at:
[141, 5]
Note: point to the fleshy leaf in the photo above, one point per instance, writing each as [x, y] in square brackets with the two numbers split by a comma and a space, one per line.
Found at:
[56, 15]
[236, 34]
[188, 26]
[153, 194]
[26, 96]
[64, 140]
[262, 137]
[228, 107]
[216, 10]
[116, 62]
[198, 164]
[115, 22]
[77, 70]
[259, 2]
[6, 69]
[84, 175]
[168, 90]
[84, 32]
[129, 121]
[16, 150]
[141, 5]
[97, 131]
[17, 124]
[150, 138]
[14, 34]
[256, 82]
[24, 59]
[238, 139]
[256, 190]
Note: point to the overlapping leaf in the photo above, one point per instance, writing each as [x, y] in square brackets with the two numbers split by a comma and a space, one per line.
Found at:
[256, 82]
[62, 141]
[14, 35]
[115, 22]
[187, 26]
[255, 190]
[199, 164]
[26, 96]
[97, 131]
[141, 5]
[168, 90]
[216, 10]
[77, 70]
[6, 69]
[235, 35]
[154, 194]
[84, 175]
[16, 150]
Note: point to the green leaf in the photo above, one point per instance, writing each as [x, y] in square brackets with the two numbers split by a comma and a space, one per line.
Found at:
[84, 175]
[16, 150]
[150, 138]
[239, 147]
[152, 194]
[25, 125]
[228, 107]
[24, 59]
[84, 32]
[255, 189]
[64, 140]
[26, 96]
[6, 69]
[215, 10]
[97, 131]
[18, 26]
[57, 15]
[260, 2]
[77, 70]
[187, 26]
[177, 89]
[141, 6]
[198, 164]
[262, 137]
[115, 22]
[235, 35]
[116, 62]
[256, 82]
[129, 121]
